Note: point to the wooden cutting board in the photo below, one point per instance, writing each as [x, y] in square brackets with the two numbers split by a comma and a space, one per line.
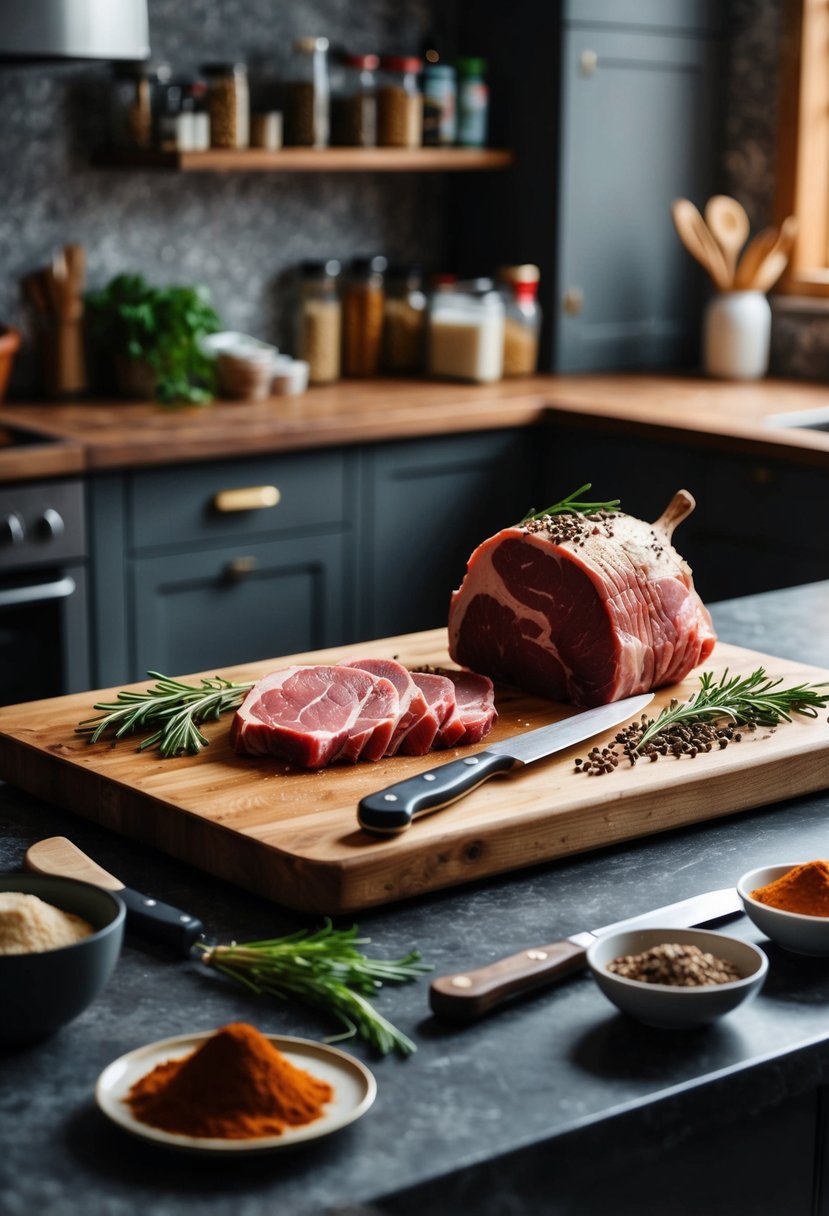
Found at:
[293, 836]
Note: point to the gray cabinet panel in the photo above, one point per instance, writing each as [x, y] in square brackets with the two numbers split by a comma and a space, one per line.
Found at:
[653, 14]
[193, 614]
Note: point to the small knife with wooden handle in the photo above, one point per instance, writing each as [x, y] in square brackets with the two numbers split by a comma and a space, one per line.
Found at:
[149, 917]
[470, 994]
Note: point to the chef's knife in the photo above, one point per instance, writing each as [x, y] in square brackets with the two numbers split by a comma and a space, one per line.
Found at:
[146, 916]
[469, 994]
[391, 810]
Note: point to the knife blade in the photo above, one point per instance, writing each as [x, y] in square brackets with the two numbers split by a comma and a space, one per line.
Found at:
[391, 810]
[146, 916]
[468, 995]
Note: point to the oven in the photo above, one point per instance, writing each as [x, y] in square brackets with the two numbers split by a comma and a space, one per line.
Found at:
[44, 631]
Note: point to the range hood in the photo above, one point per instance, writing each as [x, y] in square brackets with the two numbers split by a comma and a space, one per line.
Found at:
[43, 30]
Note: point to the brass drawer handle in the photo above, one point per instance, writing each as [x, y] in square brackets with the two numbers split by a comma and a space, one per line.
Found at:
[239, 567]
[247, 498]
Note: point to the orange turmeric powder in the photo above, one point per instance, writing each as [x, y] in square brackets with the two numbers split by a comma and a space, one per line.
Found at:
[235, 1086]
[804, 889]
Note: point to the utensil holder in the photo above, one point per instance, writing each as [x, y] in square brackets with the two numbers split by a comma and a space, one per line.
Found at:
[737, 335]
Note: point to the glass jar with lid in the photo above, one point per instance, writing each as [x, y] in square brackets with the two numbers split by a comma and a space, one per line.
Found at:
[399, 102]
[307, 95]
[522, 318]
[354, 103]
[363, 301]
[228, 104]
[319, 320]
[466, 332]
[404, 321]
[137, 90]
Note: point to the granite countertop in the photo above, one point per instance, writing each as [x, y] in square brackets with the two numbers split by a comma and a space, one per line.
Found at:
[558, 1086]
[102, 435]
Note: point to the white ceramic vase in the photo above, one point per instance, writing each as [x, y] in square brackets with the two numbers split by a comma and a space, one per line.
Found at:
[736, 335]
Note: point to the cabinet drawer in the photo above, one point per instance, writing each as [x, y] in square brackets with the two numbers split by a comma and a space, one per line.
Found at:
[220, 501]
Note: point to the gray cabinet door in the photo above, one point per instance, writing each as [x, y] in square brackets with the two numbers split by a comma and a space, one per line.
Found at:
[427, 505]
[206, 610]
[637, 131]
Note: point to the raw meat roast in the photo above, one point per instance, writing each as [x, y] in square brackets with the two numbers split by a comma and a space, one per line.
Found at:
[582, 608]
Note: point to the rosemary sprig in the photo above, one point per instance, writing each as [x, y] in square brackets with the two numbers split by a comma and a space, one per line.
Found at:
[175, 709]
[323, 968]
[755, 700]
[571, 505]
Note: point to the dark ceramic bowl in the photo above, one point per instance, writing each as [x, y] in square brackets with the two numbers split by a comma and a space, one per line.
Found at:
[42, 992]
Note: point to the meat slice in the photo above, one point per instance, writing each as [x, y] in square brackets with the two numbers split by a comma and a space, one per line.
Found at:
[475, 701]
[439, 692]
[587, 609]
[312, 716]
[413, 706]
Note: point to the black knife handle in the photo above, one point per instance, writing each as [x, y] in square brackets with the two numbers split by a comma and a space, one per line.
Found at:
[392, 810]
[470, 994]
[161, 922]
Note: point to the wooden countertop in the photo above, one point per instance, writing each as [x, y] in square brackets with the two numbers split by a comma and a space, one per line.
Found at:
[100, 435]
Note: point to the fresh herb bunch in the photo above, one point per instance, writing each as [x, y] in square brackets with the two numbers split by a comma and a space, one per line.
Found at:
[753, 700]
[324, 968]
[571, 505]
[175, 709]
[161, 326]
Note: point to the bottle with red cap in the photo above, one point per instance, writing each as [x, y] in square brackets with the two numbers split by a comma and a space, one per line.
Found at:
[522, 319]
[399, 102]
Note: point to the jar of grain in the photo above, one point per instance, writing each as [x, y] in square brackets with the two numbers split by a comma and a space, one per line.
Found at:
[522, 319]
[399, 102]
[307, 102]
[137, 89]
[228, 104]
[363, 300]
[354, 105]
[319, 317]
[404, 321]
[466, 333]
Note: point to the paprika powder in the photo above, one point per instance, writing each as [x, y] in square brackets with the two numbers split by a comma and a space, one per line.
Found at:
[803, 889]
[235, 1086]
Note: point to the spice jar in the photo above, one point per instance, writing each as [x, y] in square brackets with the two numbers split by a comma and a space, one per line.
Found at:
[404, 321]
[354, 106]
[136, 89]
[228, 103]
[319, 320]
[466, 332]
[473, 103]
[399, 103]
[306, 108]
[363, 301]
[522, 319]
[439, 105]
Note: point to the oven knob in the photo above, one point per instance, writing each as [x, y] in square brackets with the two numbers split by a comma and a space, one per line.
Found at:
[50, 525]
[11, 529]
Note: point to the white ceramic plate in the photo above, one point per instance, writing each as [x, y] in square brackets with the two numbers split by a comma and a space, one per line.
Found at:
[354, 1091]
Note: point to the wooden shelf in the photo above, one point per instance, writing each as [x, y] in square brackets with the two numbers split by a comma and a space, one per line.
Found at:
[311, 160]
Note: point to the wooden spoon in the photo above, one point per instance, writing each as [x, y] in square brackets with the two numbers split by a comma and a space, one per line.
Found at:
[730, 226]
[766, 257]
[759, 248]
[697, 239]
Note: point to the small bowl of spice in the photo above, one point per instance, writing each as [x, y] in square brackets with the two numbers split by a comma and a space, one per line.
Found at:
[790, 904]
[676, 978]
[59, 942]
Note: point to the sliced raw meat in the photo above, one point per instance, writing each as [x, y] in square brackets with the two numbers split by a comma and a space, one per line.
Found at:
[439, 692]
[314, 715]
[413, 706]
[578, 608]
[475, 700]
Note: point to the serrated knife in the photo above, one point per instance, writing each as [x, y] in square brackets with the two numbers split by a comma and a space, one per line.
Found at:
[391, 810]
[468, 995]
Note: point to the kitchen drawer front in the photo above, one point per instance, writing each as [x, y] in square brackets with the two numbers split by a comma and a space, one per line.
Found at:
[176, 506]
[203, 611]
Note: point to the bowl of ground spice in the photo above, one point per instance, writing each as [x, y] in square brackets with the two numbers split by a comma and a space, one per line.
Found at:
[59, 942]
[677, 978]
[790, 904]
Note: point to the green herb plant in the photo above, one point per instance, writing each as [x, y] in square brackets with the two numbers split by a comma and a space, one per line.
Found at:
[161, 326]
[324, 968]
[572, 506]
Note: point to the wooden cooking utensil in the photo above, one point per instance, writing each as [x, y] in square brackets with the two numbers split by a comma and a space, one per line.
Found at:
[766, 256]
[698, 240]
[730, 226]
[759, 247]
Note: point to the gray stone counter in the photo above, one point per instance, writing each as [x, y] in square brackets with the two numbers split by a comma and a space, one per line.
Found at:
[556, 1104]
